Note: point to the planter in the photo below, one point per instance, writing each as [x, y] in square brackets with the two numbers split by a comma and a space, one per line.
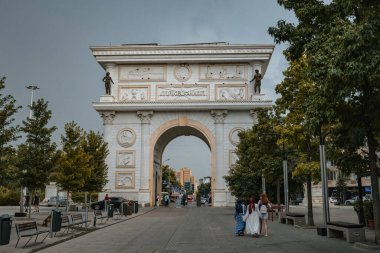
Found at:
[371, 224]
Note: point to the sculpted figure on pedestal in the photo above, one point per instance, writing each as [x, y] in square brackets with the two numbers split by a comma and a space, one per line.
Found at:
[257, 85]
[107, 82]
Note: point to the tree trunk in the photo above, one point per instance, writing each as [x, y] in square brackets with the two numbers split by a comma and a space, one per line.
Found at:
[310, 217]
[360, 190]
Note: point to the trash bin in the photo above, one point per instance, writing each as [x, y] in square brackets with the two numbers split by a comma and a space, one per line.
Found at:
[110, 210]
[125, 208]
[129, 208]
[5, 229]
[56, 220]
[135, 207]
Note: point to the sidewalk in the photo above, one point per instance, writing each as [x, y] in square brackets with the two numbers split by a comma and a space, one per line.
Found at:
[60, 236]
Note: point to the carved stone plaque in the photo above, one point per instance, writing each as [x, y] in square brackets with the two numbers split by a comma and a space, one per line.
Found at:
[183, 92]
[126, 137]
[142, 73]
[233, 158]
[236, 92]
[125, 180]
[133, 93]
[125, 159]
[223, 72]
[182, 72]
[234, 135]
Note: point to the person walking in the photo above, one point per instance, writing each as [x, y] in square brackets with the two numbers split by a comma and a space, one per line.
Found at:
[36, 202]
[167, 200]
[252, 219]
[27, 201]
[158, 200]
[240, 211]
[264, 206]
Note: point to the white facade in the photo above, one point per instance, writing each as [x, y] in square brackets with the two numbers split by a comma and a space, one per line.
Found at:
[162, 92]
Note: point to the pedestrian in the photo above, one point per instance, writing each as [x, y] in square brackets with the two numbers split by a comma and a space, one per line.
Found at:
[27, 201]
[36, 202]
[252, 219]
[264, 206]
[167, 200]
[158, 200]
[240, 211]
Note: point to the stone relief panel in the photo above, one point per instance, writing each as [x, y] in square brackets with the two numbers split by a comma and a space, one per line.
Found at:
[183, 92]
[133, 93]
[126, 137]
[223, 72]
[142, 73]
[236, 92]
[124, 180]
[233, 158]
[182, 72]
[234, 135]
[125, 159]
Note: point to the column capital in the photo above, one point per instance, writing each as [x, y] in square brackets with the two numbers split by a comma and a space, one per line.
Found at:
[145, 116]
[219, 115]
[107, 116]
[253, 114]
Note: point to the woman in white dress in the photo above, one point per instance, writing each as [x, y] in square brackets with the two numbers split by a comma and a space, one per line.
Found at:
[252, 219]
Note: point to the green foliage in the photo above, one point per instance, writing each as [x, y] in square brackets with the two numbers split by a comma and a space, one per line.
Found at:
[72, 168]
[168, 174]
[97, 149]
[341, 186]
[8, 133]
[36, 157]
[204, 189]
[368, 209]
[9, 197]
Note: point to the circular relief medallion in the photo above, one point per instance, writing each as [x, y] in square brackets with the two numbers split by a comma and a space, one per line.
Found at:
[126, 137]
[182, 72]
[234, 135]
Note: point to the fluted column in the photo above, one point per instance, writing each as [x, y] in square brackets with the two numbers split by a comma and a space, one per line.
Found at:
[145, 117]
[108, 117]
[219, 195]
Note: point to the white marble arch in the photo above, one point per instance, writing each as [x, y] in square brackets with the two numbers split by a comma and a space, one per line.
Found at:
[210, 107]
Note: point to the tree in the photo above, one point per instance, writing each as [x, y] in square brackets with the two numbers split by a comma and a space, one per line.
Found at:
[72, 168]
[168, 175]
[341, 187]
[35, 157]
[97, 149]
[8, 133]
[342, 42]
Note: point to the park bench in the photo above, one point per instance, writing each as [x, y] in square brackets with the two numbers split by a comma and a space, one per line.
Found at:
[98, 214]
[352, 232]
[65, 223]
[295, 219]
[77, 220]
[29, 229]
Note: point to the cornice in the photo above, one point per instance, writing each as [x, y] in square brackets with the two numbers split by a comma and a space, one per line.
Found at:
[183, 106]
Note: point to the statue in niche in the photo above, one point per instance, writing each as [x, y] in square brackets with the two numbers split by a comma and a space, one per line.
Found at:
[257, 85]
[107, 82]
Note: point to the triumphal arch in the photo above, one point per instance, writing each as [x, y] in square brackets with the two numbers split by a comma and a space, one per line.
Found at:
[160, 92]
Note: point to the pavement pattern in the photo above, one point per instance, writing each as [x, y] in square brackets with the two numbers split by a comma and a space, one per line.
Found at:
[170, 230]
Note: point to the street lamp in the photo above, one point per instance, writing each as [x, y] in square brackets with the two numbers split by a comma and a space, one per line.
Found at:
[325, 189]
[32, 88]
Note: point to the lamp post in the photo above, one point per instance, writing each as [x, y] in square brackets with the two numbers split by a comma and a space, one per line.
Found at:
[32, 88]
[325, 189]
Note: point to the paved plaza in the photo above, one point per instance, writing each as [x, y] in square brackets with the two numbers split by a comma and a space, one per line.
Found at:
[203, 229]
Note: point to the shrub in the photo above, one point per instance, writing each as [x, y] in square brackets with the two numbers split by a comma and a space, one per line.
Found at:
[9, 197]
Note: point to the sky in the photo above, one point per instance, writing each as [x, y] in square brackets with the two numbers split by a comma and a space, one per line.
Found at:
[46, 43]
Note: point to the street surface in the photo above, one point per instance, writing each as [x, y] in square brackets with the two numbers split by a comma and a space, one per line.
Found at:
[194, 229]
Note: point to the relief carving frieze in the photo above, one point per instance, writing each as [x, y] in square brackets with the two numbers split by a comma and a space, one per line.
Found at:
[235, 92]
[183, 92]
[133, 93]
[223, 72]
[125, 180]
[142, 73]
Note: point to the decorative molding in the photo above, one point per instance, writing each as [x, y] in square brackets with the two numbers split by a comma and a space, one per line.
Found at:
[124, 180]
[179, 52]
[219, 115]
[223, 72]
[182, 72]
[183, 92]
[107, 116]
[145, 116]
[234, 135]
[125, 159]
[134, 93]
[233, 158]
[126, 137]
[142, 73]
